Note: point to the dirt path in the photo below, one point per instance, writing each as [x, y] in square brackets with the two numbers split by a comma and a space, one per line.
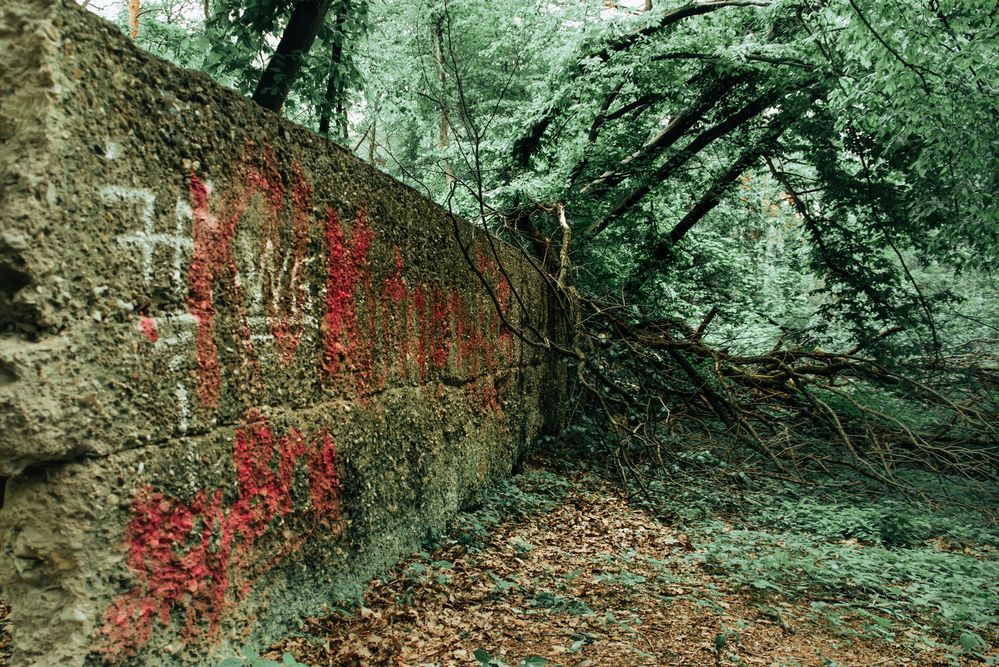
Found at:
[593, 582]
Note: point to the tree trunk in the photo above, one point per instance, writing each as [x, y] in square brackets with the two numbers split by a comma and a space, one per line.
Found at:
[445, 126]
[336, 88]
[284, 66]
[133, 18]
[681, 157]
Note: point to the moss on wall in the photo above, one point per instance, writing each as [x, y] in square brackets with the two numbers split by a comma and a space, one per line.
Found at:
[242, 371]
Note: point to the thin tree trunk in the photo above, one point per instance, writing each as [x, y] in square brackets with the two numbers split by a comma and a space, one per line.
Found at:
[678, 126]
[373, 138]
[133, 18]
[284, 66]
[445, 126]
[682, 156]
[334, 103]
[208, 9]
[713, 196]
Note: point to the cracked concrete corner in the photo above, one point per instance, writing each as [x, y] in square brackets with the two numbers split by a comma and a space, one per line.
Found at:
[31, 418]
[32, 82]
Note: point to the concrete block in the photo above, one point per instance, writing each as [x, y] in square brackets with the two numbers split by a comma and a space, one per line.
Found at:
[241, 371]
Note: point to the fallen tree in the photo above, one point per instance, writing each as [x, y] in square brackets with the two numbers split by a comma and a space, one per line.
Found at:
[653, 389]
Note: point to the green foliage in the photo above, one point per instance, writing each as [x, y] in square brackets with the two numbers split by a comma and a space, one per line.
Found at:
[488, 660]
[436, 569]
[915, 81]
[941, 592]
[534, 491]
[851, 552]
[252, 659]
[170, 29]
[558, 604]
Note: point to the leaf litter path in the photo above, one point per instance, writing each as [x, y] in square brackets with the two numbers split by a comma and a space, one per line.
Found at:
[585, 581]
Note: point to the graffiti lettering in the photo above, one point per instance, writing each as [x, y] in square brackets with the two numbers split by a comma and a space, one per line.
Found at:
[196, 558]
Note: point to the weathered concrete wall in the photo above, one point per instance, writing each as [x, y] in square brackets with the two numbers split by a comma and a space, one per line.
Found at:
[240, 371]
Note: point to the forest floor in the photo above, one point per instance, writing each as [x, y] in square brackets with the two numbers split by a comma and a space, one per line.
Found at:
[560, 569]
[4, 634]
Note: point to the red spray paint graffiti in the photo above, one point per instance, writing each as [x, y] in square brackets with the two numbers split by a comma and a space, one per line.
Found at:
[147, 326]
[171, 567]
[198, 559]
[346, 262]
[324, 480]
[284, 284]
[212, 263]
[283, 279]
[366, 322]
[440, 330]
[394, 317]
[420, 328]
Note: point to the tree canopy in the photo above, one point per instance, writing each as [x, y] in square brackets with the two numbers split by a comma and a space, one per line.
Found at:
[722, 189]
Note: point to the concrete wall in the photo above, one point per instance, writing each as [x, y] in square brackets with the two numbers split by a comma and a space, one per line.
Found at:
[241, 371]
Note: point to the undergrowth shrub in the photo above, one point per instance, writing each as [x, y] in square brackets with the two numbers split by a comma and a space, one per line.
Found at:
[530, 492]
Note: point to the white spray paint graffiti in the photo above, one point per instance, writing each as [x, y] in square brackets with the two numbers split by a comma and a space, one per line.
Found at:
[180, 327]
[147, 238]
